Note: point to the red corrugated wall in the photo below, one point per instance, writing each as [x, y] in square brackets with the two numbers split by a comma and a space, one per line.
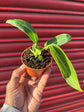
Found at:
[49, 18]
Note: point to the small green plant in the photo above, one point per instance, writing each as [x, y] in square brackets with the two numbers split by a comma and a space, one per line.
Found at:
[64, 64]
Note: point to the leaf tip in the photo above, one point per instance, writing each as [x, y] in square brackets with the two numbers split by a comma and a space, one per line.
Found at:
[81, 90]
[69, 36]
[8, 21]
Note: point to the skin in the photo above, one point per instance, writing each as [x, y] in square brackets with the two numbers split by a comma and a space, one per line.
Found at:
[25, 93]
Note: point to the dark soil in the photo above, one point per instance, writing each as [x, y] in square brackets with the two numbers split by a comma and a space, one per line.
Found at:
[29, 59]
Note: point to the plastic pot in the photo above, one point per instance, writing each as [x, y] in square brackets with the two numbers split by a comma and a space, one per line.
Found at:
[34, 72]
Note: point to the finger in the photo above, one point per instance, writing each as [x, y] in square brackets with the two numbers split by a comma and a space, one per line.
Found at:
[24, 78]
[17, 73]
[43, 80]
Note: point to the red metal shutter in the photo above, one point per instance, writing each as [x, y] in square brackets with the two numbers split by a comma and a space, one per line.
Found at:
[49, 18]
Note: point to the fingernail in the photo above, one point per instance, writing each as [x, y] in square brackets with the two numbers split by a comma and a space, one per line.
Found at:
[33, 78]
[22, 67]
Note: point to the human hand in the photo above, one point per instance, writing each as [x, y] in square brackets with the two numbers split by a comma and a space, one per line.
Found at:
[25, 93]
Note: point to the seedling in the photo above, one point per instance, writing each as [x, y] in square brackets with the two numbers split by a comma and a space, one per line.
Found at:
[64, 64]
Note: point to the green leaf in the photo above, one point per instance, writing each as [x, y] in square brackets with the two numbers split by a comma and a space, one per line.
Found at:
[25, 27]
[59, 40]
[35, 46]
[40, 57]
[65, 66]
[37, 52]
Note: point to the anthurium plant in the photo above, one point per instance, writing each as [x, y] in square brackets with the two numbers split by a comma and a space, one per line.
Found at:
[64, 64]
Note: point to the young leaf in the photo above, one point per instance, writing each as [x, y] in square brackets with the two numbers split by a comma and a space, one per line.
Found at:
[35, 46]
[59, 40]
[36, 50]
[25, 27]
[65, 66]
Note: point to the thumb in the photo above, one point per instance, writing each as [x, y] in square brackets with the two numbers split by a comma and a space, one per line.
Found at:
[44, 79]
[16, 75]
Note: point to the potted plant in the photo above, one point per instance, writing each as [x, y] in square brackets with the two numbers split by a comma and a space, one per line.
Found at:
[37, 59]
